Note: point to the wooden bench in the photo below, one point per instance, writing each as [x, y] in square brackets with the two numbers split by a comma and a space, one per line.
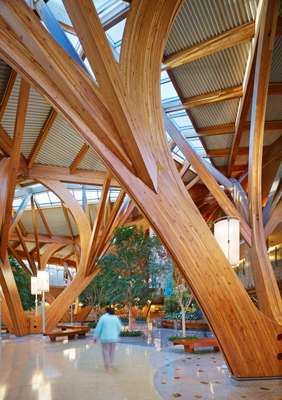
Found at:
[191, 344]
[70, 331]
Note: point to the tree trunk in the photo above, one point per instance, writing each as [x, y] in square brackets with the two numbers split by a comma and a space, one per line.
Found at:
[130, 317]
[183, 310]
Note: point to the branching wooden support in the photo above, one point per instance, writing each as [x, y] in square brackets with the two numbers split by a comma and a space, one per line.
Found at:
[240, 328]
[269, 297]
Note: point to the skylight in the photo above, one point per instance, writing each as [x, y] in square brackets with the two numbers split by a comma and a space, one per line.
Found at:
[46, 199]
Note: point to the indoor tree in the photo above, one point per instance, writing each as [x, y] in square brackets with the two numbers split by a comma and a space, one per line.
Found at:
[183, 296]
[130, 263]
[23, 284]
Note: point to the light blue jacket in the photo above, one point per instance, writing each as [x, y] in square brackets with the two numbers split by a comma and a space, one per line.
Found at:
[108, 328]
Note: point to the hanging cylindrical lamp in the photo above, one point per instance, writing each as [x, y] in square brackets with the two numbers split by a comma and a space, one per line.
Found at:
[227, 234]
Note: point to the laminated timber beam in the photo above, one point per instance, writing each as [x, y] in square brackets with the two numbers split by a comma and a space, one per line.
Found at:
[230, 38]
[99, 54]
[7, 93]
[208, 98]
[8, 182]
[6, 145]
[224, 129]
[79, 157]
[248, 84]
[98, 221]
[63, 174]
[62, 302]
[28, 257]
[208, 179]
[49, 250]
[268, 294]
[42, 137]
[29, 238]
[274, 220]
[224, 95]
[240, 328]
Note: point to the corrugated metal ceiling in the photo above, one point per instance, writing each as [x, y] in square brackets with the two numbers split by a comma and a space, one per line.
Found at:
[215, 114]
[199, 20]
[4, 76]
[92, 161]
[218, 71]
[61, 146]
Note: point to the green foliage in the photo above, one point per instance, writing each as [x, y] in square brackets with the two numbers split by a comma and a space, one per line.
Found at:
[98, 292]
[128, 266]
[23, 284]
[131, 333]
[172, 338]
[92, 325]
[171, 305]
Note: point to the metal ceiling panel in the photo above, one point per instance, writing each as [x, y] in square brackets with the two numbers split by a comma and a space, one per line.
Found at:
[9, 117]
[218, 142]
[218, 71]
[220, 161]
[4, 76]
[199, 20]
[92, 161]
[215, 114]
[269, 138]
[37, 112]
[276, 66]
[62, 145]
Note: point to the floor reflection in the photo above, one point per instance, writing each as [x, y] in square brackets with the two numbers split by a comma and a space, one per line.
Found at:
[32, 368]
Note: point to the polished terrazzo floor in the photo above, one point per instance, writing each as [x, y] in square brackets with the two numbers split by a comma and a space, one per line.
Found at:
[32, 368]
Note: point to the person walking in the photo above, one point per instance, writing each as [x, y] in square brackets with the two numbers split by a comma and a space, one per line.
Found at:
[107, 331]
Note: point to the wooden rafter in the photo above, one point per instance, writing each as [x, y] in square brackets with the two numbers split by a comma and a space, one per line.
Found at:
[42, 137]
[184, 168]
[170, 211]
[224, 129]
[99, 54]
[79, 157]
[29, 238]
[274, 219]
[193, 182]
[268, 294]
[80, 86]
[247, 92]
[106, 231]
[20, 212]
[6, 145]
[70, 253]
[17, 256]
[223, 201]
[63, 174]
[67, 219]
[228, 39]
[7, 93]
[25, 249]
[98, 222]
[43, 218]
[9, 184]
[208, 98]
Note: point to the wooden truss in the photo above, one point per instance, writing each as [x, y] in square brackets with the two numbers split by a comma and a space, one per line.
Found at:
[121, 119]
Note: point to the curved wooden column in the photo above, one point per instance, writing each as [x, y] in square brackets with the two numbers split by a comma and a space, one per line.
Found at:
[269, 297]
[60, 305]
[247, 338]
[51, 249]
[14, 307]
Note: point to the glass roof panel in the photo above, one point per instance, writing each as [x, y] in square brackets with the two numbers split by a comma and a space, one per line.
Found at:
[42, 198]
[168, 91]
[115, 33]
